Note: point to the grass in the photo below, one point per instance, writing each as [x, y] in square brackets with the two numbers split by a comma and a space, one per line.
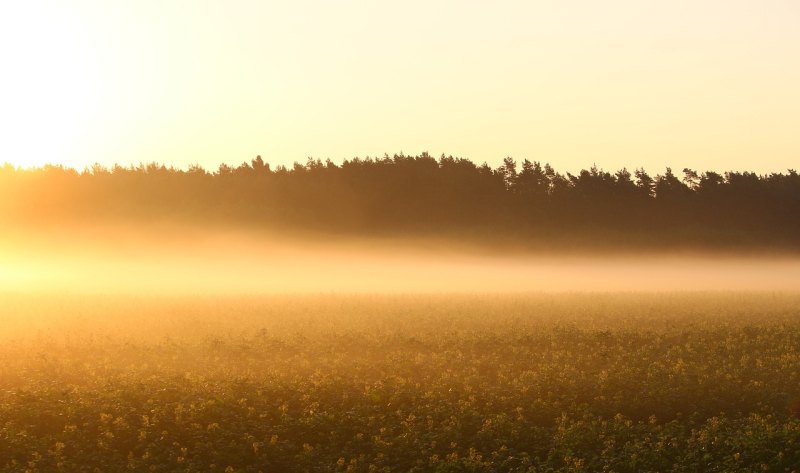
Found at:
[573, 382]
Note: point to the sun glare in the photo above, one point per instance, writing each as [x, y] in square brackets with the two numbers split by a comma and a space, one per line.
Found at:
[48, 88]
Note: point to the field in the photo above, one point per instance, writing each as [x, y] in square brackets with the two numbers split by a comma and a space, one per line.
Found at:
[446, 383]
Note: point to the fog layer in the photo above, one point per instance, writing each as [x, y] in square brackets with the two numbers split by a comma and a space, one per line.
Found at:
[185, 262]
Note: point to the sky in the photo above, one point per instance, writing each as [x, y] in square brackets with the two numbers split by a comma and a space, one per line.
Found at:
[705, 84]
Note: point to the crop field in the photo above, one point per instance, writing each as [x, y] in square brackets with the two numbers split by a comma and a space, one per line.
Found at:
[399, 383]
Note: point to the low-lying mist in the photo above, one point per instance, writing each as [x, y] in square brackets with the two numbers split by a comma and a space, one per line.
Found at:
[189, 261]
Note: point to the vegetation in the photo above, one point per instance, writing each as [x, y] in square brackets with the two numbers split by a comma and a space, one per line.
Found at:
[535, 383]
[527, 203]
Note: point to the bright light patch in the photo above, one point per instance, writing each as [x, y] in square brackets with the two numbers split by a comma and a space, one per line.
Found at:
[47, 87]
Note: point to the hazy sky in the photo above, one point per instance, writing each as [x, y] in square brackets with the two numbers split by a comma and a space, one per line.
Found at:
[705, 84]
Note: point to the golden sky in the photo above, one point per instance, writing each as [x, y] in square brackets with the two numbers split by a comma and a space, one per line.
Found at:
[708, 84]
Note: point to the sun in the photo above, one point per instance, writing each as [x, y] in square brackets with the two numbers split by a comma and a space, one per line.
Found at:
[48, 89]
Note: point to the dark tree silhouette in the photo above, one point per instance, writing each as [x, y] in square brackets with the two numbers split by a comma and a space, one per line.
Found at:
[404, 195]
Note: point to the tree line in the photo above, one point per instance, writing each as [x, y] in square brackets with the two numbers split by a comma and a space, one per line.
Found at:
[525, 202]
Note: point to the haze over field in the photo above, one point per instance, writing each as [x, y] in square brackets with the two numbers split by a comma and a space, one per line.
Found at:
[191, 262]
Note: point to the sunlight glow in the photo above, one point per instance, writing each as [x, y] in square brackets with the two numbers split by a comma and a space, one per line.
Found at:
[708, 84]
[49, 86]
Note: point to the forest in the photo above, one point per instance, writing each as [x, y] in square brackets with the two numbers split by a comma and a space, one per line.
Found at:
[527, 203]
